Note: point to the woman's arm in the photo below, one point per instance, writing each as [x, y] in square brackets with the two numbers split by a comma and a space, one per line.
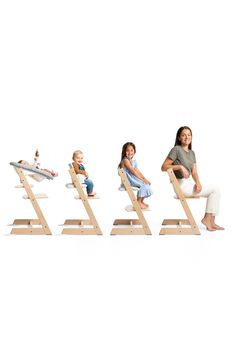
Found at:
[197, 187]
[126, 163]
[168, 163]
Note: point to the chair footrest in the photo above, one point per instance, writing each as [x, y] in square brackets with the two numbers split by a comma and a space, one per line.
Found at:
[37, 196]
[89, 197]
[71, 185]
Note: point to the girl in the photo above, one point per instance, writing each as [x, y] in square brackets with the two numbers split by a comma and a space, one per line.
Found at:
[182, 160]
[134, 176]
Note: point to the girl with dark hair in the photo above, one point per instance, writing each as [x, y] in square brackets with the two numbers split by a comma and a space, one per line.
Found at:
[182, 160]
[135, 177]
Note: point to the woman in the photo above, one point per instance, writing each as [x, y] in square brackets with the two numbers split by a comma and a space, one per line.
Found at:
[183, 162]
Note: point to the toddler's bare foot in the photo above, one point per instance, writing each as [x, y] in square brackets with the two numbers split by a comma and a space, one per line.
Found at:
[208, 225]
[92, 194]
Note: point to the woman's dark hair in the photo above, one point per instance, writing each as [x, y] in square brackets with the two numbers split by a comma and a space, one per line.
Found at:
[178, 134]
[124, 148]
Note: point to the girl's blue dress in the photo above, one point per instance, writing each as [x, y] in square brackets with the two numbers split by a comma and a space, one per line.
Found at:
[144, 189]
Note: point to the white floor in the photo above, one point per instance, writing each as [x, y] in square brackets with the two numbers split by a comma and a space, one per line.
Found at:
[117, 298]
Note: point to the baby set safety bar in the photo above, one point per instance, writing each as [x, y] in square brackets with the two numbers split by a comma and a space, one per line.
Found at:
[126, 226]
[85, 226]
[189, 222]
[40, 223]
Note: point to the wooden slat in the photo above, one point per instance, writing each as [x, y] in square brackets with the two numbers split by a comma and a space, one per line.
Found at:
[128, 231]
[175, 222]
[29, 222]
[77, 222]
[126, 222]
[29, 231]
[179, 230]
[81, 231]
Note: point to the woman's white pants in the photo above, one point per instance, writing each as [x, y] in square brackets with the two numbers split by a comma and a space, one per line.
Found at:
[210, 192]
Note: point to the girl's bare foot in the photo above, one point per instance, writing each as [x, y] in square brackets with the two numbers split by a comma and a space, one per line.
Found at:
[142, 205]
[145, 204]
[208, 225]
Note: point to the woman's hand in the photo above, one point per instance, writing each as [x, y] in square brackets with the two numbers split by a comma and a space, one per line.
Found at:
[185, 172]
[197, 188]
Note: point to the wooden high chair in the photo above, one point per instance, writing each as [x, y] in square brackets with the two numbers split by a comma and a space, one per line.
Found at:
[40, 223]
[189, 222]
[135, 226]
[85, 226]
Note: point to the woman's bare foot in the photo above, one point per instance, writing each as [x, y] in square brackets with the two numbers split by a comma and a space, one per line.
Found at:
[216, 227]
[207, 224]
[92, 194]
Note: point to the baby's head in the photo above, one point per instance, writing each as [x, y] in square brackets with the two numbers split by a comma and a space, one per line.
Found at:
[23, 162]
[78, 156]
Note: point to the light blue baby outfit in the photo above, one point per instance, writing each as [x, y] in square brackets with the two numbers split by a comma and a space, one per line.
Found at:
[144, 189]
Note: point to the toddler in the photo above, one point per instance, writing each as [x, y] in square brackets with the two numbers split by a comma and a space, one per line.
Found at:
[82, 173]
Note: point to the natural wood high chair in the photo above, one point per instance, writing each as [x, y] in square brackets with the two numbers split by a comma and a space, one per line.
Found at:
[131, 226]
[81, 223]
[40, 223]
[180, 223]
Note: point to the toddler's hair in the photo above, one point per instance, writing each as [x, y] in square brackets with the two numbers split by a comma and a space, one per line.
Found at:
[75, 153]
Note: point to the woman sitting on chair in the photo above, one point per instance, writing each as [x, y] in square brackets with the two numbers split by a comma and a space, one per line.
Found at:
[182, 160]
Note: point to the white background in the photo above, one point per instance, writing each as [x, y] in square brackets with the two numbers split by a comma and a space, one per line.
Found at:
[92, 75]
